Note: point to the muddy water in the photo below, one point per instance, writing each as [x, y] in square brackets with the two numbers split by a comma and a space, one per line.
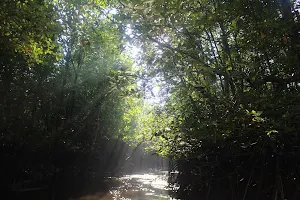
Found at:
[150, 186]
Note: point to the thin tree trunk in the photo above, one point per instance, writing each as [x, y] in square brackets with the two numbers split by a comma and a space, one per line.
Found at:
[261, 179]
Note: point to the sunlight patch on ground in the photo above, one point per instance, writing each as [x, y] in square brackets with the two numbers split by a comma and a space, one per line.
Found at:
[148, 186]
[154, 180]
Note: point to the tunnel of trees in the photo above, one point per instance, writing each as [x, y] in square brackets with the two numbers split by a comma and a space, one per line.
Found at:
[211, 84]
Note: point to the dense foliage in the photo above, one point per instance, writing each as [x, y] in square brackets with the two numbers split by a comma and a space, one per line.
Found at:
[213, 85]
[231, 84]
[62, 90]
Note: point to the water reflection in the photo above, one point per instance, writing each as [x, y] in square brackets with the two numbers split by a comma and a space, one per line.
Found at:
[150, 186]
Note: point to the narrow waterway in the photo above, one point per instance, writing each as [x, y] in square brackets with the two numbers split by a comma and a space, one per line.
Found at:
[147, 186]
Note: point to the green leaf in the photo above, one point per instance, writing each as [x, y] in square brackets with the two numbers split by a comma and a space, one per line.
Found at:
[229, 68]
[271, 131]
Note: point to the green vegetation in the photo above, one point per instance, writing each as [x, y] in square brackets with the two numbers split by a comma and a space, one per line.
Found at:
[228, 74]
[62, 90]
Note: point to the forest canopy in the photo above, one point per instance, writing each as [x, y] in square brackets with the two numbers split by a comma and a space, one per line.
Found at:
[211, 84]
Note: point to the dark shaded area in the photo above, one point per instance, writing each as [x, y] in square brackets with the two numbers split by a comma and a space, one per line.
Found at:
[252, 173]
[72, 174]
